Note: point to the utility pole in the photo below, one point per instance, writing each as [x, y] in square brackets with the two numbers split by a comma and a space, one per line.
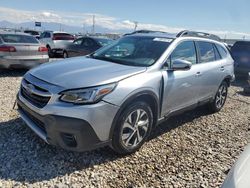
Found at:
[136, 24]
[83, 28]
[93, 27]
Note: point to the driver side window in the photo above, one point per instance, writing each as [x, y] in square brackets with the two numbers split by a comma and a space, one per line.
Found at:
[184, 51]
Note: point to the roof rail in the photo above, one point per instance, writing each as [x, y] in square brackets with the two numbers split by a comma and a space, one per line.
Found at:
[187, 33]
[144, 31]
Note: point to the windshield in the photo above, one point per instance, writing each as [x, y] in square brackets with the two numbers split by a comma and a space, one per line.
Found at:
[13, 38]
[134, 51]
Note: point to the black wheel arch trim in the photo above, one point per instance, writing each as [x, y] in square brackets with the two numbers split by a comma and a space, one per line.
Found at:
[230, 78]
[128, 101]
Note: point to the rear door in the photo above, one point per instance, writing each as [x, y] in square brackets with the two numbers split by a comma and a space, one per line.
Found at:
[211, 67]
[181, 87]
[87, 46]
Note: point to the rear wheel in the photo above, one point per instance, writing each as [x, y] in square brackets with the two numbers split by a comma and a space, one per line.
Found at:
[133, 128]
[220, 98]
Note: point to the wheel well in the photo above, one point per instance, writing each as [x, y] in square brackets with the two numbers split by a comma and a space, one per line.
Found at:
[145, 97]
[228, 81]
[152, 102]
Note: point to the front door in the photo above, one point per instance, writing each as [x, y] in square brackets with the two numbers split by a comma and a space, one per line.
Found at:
[181, 87]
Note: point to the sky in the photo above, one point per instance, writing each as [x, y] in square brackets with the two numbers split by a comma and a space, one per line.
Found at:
[227, 18]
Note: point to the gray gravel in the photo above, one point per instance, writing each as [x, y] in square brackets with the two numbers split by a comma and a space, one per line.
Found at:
[195, 149]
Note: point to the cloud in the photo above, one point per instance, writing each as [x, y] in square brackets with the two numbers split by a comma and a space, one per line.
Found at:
[111, 23]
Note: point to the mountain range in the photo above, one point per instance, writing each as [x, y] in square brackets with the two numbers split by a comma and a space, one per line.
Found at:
[58, 27]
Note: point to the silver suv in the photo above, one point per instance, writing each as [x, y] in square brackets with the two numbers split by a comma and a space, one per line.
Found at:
[117, 95]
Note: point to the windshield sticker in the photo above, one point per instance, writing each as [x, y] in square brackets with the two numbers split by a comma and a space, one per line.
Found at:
[162, 39]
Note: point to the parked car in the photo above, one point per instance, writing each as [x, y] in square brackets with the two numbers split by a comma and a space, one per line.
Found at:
[34, 33]
[238, 177]
[247, 87]
[21, 50]
[118, 94]
[84, 46]
[56, 41]
[241, 55]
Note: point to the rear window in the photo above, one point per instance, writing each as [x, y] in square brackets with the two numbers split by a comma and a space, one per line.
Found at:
[242, 46]
[63, 36]
[13, 38]
[206, 52]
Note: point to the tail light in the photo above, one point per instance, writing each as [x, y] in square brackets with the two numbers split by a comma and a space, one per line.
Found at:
[7, 49]
[42, 49]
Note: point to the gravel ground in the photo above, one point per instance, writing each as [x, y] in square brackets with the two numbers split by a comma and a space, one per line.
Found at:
[195, 149]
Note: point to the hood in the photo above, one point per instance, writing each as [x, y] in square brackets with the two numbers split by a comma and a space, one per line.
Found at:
[83, 72]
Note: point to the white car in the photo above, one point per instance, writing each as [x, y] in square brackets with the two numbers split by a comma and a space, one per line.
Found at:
[239, 175]
[56, 41]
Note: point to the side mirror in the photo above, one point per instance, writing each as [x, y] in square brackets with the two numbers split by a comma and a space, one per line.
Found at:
[181, 65]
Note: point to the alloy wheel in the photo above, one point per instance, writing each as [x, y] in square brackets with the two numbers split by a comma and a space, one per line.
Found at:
[135, 128]
[221, 96]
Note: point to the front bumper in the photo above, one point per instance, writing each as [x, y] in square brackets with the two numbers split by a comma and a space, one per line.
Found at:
[70, 132]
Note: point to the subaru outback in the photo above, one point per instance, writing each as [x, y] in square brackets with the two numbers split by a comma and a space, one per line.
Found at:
[117, 95]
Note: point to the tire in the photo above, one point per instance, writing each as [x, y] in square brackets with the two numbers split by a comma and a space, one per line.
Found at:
[50, 53]
[129, 135]
[65, 54]
[220, 98]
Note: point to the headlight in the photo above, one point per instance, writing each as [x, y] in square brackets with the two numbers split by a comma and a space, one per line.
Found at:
[88, 95]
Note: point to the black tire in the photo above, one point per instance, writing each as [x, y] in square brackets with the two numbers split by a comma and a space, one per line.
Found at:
[215, 105]
[145, 112]
[50, 53]
[65, 54]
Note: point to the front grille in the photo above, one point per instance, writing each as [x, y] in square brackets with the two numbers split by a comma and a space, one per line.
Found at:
[36, 121]
[35, 99]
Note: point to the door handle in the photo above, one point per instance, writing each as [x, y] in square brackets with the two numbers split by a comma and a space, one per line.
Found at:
[222, 68]
[198, 74]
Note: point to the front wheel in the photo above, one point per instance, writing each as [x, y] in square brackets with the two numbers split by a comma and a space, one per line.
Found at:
[220, 98]
[50, 53]
[133, 128]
